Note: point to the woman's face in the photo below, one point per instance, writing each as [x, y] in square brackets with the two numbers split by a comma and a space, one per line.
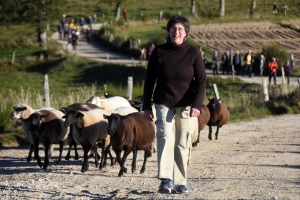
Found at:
[177, 33]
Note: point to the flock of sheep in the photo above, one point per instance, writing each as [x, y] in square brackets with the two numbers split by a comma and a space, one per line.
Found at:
[108, 122]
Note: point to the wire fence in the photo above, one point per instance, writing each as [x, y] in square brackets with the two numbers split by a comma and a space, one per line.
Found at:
[16, 56]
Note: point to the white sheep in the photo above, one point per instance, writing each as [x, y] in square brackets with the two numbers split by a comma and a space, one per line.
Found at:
[109, 103]
[47, 127]
[22, 112]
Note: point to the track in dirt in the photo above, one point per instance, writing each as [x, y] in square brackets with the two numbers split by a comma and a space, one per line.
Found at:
[246, 36]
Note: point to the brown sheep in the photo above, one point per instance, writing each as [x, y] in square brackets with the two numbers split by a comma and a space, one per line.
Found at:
[131, 132]
[219, 115]
[81, 107]
[203, 119]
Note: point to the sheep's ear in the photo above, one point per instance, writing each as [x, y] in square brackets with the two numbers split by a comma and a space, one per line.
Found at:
[64, 117]
[105, 116]
[63, 111]
[78, 114]
[20, 109]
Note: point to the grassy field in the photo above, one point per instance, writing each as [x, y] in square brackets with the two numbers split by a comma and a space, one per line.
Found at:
[74, 79]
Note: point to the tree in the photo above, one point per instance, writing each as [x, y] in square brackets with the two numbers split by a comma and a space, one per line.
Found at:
[36, 12]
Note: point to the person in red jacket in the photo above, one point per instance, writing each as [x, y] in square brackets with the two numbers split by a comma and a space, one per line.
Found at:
[273, 66]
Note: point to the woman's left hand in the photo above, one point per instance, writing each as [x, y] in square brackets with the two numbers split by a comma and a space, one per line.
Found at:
[194, 112]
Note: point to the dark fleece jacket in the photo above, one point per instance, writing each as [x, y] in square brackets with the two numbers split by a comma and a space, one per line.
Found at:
[180, 77]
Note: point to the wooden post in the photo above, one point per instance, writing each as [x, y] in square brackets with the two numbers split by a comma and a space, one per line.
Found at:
[222, 8]
[46, 89]
[13, 57]
[133, 62]
[107, 56]
[283, 78]
[193, 8]
[265, 89]
[105, 87]
[298, 81]
[217, 96]
[129, 89]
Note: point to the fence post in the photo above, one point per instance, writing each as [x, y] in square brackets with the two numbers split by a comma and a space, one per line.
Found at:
[217, 96]
[129, 89]
[13, 57]
[46, 89]
[133, 62]
[265, 89]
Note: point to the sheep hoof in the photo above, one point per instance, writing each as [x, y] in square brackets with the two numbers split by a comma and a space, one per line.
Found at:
[28, 159]
[210, 138]
[76, 157]
[125, 170]
[194, 144]
[133, 170]
[113, 162]
[67, 157]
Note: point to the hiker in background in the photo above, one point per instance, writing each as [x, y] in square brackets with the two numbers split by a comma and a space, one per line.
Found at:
[88, 34]
[237, 62]
[125, 15]
[60, 30]
[215, 64]
[248, 59]
[284, 9]
[81, 23]
[273, 66]
[225, 62]
[95, 19]
[275, 8]
[287, 71]
[74, 40]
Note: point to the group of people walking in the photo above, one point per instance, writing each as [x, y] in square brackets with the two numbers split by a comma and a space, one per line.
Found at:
[247, 69]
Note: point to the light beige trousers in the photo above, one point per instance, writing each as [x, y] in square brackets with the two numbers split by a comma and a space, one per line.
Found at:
[173, 148]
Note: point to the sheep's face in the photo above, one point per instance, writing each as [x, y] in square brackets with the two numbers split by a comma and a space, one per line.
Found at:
[113, 123]
[213, 102]
[17, 112]
[70, 118]
[35, 122]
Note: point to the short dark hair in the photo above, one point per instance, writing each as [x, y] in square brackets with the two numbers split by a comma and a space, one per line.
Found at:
[179, 19]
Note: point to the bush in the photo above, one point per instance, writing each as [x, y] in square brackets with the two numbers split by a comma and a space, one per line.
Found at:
[269, 51]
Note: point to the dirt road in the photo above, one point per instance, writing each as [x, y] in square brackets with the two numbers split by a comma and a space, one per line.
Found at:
[251, 160]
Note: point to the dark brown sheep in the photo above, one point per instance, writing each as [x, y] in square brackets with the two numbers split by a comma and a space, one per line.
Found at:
[203, 119]
[128, 133]
[47, 127]
[219, 115]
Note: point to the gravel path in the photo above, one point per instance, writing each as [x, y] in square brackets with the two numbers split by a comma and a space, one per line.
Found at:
[251, 160]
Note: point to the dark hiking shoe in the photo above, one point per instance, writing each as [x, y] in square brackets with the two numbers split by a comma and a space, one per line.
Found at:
[165, 186]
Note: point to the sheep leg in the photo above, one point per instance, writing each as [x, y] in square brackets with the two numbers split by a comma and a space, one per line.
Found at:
[85, 165]
[133, 165]
[218, 126]
[60, 152]
[103, 154]
[112, 160]
[36, 152]
[146, 155]
[123, 168]
[30, 153]
[96, 156]
[209, 134]
[46, 162]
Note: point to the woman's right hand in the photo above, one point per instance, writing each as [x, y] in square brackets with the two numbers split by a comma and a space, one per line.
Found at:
[148, 115]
